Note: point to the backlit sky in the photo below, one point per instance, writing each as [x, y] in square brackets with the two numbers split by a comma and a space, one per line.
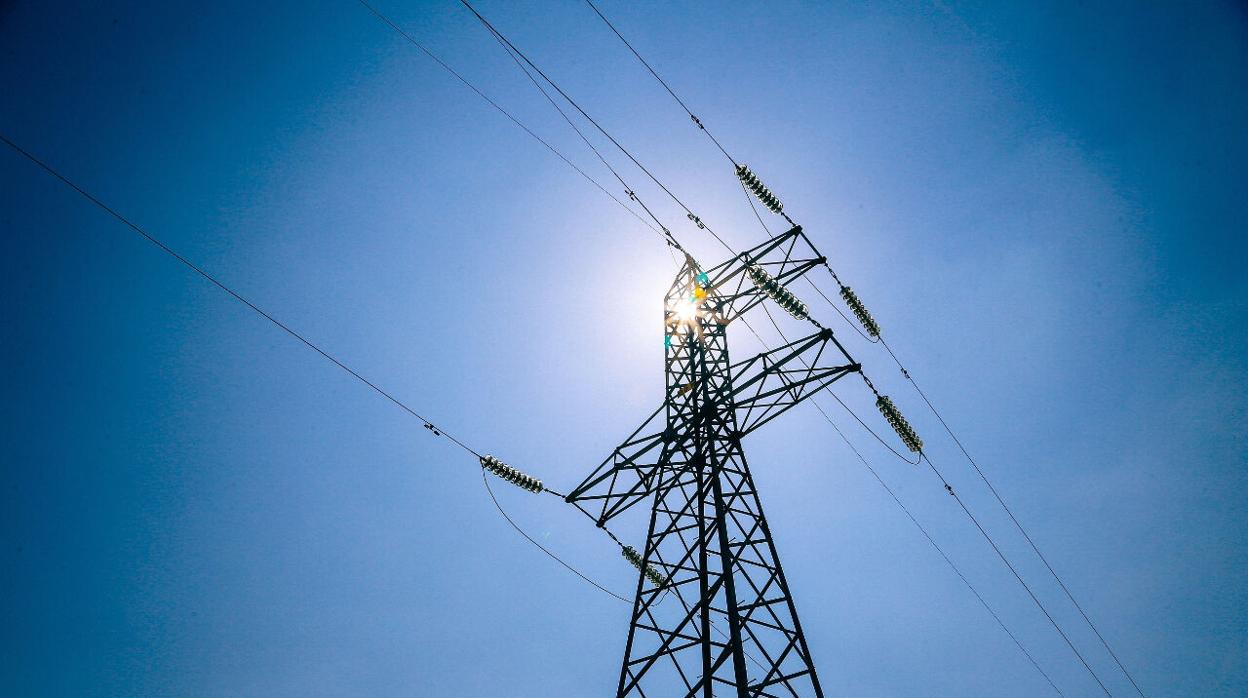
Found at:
[1043, 205]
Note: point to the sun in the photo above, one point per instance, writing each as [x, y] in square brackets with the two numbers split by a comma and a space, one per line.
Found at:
[686, 311]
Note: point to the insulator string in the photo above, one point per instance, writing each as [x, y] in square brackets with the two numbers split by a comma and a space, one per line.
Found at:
[775, 290]
[522, 480]
[895, 419]
[738, 168]
[860, 311]
[657, 578]
[758, 189]
[754, 209]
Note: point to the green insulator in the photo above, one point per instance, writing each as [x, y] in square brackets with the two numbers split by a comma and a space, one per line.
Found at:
[899, 424]
[860, 311]
[658, 579]
[510, 474]
[758, 189]
[776, 291]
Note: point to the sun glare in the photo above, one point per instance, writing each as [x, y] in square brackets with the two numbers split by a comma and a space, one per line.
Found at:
[686, 311]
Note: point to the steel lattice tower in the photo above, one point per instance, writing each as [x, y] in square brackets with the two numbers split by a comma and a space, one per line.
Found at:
[713, 613]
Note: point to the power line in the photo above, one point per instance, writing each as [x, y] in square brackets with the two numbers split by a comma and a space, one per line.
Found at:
[670, 91]
[429, 425]
[426, 422]
[1013, 518]
[688, 211]
[412, 40]
[1017, 576]
[939, 550]
[632, 194]
[436, 430]
[541, 547]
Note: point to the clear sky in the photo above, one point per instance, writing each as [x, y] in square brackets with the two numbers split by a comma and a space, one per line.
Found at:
[1043, 204]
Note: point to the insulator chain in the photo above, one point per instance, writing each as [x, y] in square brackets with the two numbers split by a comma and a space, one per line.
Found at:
[860, 311]
[510, 474]
[657, 578]
[776, 291]
[758, 189]
[899, 424]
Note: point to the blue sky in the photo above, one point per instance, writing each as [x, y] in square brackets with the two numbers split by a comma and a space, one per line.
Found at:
[1044, 207]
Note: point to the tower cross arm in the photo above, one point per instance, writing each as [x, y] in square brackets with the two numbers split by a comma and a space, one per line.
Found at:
[771, 383]
[785, 258]
[626, 477]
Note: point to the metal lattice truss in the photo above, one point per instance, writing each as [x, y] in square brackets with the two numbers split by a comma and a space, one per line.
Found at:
[786, 257]
[723, 622]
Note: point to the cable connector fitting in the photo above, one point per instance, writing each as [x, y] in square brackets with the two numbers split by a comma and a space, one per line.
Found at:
[658, 579]
[776, 291]
[860, 311]
[510, 474]
[758, 189]
[899, 424]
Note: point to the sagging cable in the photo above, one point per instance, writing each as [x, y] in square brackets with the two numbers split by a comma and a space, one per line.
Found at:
[904, 431]
[758, 189]
[657, 578]
[860, 311]
[510, 474]
[776, 291]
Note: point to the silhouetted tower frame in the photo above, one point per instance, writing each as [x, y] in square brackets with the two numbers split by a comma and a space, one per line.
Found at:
[723, 617]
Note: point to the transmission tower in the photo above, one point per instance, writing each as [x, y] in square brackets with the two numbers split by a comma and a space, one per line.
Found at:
[713, 612]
